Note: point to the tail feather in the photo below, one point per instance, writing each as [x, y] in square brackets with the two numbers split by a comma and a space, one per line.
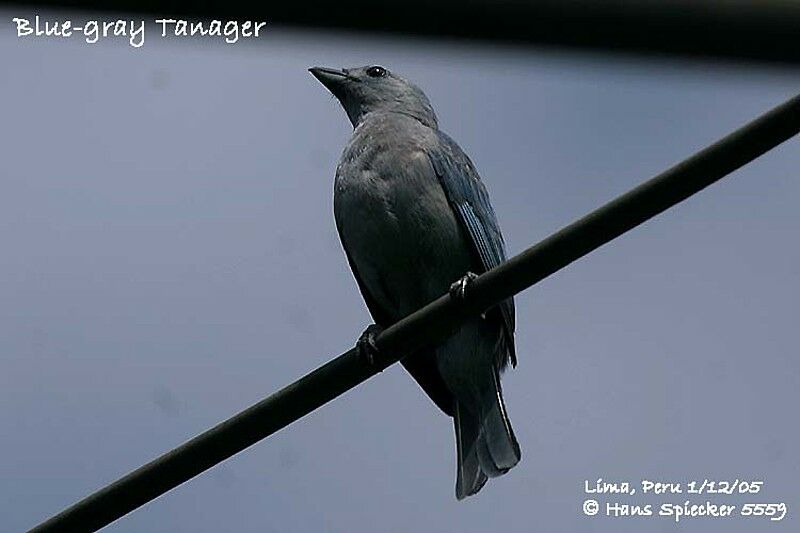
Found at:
[497, 432]
[485, 444]
[469, 476]
[487, 462]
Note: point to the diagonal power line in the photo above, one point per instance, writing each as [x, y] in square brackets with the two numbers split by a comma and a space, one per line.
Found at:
[431, 323]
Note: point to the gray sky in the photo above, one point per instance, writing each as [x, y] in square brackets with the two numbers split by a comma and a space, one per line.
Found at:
[169, 258]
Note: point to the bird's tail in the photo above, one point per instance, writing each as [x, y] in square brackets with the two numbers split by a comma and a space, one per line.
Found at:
[469, 475]
[485, 443]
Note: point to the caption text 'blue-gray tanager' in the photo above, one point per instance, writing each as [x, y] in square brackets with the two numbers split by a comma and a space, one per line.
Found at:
[414, 217]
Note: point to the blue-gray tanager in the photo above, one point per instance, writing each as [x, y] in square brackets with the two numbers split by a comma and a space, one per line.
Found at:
[415, 221]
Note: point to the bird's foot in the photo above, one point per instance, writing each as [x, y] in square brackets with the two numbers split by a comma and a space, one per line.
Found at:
[366, 347]
[458, 290]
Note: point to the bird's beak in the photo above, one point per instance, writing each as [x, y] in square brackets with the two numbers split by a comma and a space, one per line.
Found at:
[331, 78]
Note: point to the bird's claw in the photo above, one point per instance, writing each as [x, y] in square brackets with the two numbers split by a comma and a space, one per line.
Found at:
[366, 347]
[458, 290]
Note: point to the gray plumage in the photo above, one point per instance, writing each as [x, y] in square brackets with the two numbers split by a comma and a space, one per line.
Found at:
[413, 217]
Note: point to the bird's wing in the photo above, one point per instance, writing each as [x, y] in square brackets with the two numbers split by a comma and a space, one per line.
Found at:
[470, 202]
[421, 364]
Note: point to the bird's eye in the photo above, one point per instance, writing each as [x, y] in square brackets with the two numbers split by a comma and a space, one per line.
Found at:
[376, 72]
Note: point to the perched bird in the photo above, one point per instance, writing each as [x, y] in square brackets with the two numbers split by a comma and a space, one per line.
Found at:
[415, 222]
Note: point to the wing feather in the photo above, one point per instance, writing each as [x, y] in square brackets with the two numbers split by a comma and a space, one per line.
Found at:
[469, 200]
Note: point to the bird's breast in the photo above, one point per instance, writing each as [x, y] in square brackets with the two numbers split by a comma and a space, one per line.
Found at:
[396, 224]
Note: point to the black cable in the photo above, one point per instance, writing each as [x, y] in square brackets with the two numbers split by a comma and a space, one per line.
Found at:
[431, 323]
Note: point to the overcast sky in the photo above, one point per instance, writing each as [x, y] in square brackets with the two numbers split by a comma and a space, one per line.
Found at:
[169, 257]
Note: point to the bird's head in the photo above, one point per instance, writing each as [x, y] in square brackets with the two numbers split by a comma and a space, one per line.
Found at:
[363, 90]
